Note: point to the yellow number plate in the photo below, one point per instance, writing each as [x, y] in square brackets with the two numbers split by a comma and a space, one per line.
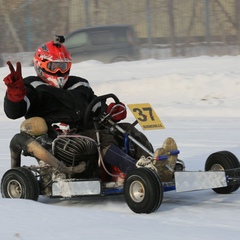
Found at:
[146, 116]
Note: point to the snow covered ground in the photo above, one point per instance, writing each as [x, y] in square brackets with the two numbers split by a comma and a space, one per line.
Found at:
[198, 100]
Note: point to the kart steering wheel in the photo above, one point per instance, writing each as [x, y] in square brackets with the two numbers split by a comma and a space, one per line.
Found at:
[102, 99]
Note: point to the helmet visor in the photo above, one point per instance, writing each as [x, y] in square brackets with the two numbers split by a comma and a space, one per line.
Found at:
[54, 67]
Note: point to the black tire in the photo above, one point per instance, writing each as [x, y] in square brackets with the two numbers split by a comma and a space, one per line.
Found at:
[220, 161]
[20, 183]
[143, 190]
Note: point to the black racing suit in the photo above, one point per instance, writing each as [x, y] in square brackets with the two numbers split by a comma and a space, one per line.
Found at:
[66, 105]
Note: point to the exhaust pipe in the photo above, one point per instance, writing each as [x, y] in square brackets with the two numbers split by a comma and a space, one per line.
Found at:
[24, 142]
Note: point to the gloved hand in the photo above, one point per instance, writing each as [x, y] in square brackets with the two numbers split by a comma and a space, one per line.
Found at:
[14, 82]
[117, 111]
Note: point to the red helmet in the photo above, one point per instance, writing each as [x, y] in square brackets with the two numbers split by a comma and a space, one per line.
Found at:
[52, 62]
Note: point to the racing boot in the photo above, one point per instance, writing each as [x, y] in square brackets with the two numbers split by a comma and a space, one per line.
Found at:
[165, 159]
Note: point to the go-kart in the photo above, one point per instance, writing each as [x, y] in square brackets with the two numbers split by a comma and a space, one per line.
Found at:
[71, 165]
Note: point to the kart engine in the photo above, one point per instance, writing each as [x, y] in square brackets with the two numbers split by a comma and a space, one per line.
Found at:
[76, 149]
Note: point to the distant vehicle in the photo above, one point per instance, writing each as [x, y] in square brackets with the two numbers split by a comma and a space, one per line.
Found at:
[107, 44]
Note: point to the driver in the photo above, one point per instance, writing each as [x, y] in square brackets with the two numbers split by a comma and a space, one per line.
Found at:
[55, 96]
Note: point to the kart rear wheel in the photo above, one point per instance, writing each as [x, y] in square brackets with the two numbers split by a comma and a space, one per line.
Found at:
[220, 161]
[19, 183]
[143, 190]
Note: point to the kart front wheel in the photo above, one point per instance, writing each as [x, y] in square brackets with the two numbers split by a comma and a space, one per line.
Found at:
[143, 190]
[221, 161]
[19, 182]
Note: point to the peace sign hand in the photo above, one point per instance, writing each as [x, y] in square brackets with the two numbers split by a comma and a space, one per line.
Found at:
[14, 81]
[14, 76]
